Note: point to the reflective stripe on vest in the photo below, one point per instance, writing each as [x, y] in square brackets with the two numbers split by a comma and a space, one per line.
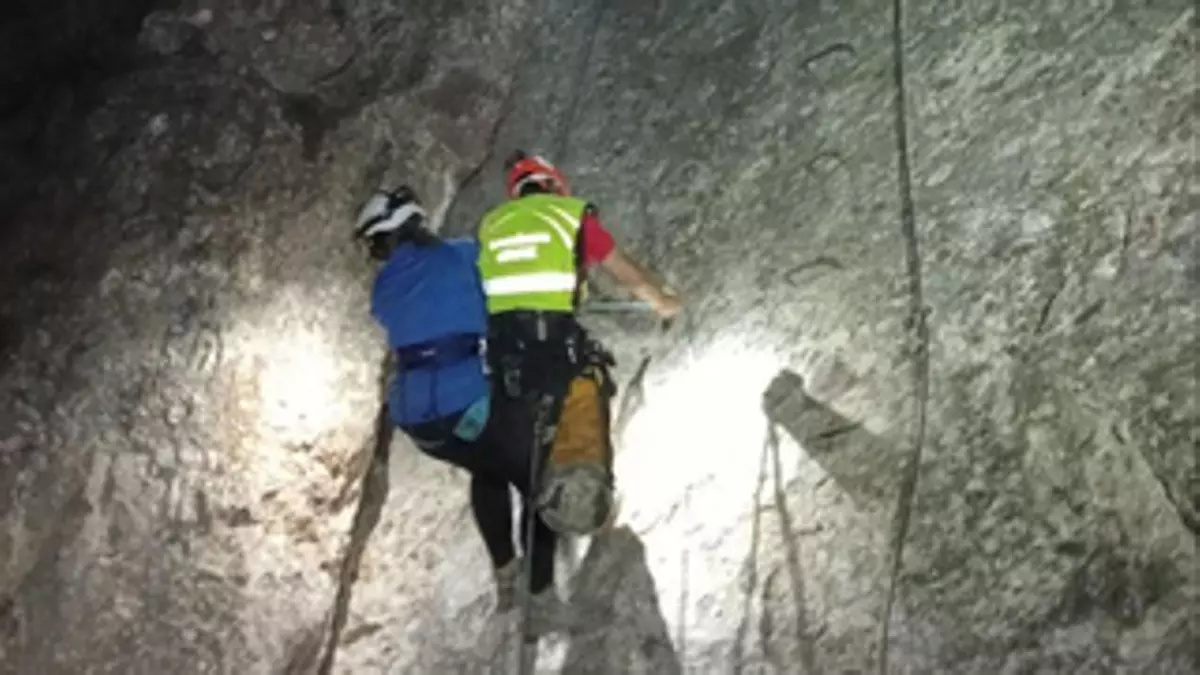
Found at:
[527, 253]
[541, 282]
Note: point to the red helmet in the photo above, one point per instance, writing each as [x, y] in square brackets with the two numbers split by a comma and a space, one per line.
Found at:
[524, 169]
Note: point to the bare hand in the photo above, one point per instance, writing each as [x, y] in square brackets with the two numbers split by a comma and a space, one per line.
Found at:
[668, 306]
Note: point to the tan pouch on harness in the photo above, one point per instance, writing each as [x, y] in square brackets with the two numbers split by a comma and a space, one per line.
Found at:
[576, 495]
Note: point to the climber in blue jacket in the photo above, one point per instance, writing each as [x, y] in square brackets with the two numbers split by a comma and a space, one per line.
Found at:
[428, 296]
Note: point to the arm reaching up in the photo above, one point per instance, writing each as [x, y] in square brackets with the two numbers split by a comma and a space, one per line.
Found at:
[601, 250]
[638, 281]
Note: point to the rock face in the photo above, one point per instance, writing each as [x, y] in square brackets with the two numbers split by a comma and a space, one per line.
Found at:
[192, 387]
[933, 407]
[980, 453]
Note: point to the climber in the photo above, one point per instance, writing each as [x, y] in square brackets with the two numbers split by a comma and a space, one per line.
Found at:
[427, 296]
[535, 250]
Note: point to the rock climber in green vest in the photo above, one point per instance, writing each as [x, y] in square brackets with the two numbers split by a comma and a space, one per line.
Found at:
[535, 250]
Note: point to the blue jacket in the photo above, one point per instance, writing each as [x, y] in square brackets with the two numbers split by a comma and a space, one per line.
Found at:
[420, 295]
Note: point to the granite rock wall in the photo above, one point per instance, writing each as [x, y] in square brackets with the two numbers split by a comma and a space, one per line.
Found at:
[932, 407]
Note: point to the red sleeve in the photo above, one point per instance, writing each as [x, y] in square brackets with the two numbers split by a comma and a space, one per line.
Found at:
[597, 240]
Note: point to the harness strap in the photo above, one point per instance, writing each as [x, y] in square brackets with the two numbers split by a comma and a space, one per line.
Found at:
[526, 328]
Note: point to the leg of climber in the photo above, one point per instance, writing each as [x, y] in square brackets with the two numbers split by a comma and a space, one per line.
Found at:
[544, 541]
[489, 462]
[574, 489]
[510, 437]
[504, 448]
[548, 611]
[492, 507]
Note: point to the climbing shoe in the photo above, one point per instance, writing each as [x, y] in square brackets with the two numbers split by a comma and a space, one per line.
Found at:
[506, 585]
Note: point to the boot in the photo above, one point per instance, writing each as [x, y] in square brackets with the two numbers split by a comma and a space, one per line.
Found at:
[506, 585]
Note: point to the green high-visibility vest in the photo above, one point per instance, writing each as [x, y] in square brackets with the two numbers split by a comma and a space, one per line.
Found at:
[527, 255]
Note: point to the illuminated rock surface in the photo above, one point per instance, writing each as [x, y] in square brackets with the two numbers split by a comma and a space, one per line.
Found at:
[186, 482]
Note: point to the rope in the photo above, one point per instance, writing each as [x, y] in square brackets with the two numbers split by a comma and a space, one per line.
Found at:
[916, 324]
[564, 131]
[528, 640]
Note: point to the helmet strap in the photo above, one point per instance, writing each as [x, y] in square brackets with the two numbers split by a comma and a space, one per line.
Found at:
[534, 184]
[381, 246]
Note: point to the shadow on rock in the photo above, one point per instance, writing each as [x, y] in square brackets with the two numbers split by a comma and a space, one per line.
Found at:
[785, 634]
[614, 581]
[778, 627]
[862, 464]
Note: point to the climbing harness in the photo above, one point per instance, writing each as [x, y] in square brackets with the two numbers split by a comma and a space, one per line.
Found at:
[444, 351]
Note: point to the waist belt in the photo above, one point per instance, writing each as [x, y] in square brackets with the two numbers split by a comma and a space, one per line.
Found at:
[440, 352]
[526, 326]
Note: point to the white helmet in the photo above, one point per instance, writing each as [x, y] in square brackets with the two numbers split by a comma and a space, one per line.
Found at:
[389, 211]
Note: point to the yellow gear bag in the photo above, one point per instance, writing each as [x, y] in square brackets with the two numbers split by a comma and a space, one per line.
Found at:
[583, 423]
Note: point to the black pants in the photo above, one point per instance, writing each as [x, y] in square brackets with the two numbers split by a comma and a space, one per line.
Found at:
[498, 458]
